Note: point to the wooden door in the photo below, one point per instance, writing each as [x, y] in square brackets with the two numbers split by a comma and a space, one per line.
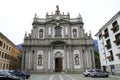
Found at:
[58, 64]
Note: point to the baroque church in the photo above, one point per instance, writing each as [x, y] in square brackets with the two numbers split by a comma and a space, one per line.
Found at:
[58, 43]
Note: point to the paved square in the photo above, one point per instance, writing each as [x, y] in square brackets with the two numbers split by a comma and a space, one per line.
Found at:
[63, 76]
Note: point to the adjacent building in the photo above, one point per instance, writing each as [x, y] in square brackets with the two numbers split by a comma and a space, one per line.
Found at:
[109, 45]
[58, 43]
[9, 54]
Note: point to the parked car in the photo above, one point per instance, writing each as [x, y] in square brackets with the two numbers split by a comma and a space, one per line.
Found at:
[7, 76]
[98, 73]
[87, 72]
[19, 73]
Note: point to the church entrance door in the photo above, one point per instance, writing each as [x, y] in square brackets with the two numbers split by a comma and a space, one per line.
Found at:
[58, 64]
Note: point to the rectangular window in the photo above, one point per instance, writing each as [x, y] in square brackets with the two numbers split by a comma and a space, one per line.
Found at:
[117, 37]
[118, 56]
[58, 32]
[106, 33]
[115, 27]
[1, 43]
[100, 36]
[4, 45]
[0, 53]
[108, 44]
[111, 56]
[9, 48]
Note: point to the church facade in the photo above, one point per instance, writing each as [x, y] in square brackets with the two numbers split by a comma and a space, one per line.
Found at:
[58, 43]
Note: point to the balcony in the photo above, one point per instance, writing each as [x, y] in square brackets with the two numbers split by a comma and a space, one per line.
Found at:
[110, 58]
[106, 34]
[117, 41]
[58, 36]
[118, 54]
[115, 28]
[108, 46]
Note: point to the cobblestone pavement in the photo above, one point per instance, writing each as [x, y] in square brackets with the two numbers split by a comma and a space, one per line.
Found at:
[60, 76]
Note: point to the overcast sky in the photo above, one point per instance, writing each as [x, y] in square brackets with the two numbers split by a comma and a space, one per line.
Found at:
[16, 16]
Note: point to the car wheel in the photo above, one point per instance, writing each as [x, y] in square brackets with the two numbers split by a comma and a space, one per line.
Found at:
[85, 75]
[27, 77]
[107, 76]
[95, 76]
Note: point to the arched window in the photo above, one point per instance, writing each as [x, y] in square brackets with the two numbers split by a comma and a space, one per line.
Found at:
[41, 33]
[39, 59]
[58, 32]
[74, 33]
[77, 59]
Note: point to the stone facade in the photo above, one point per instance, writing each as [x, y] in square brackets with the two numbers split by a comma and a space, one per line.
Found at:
[58, 44]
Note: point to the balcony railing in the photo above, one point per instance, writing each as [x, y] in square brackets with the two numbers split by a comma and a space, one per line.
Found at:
[115, 28]
[58, 35]
[108, 46]
[106, 34]
[117, 41]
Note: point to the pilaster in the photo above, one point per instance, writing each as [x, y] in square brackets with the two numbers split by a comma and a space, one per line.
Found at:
[51, 59]
[65, 58]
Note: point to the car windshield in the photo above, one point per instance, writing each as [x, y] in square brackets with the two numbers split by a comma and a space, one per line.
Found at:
[89, 70]
[98, 71]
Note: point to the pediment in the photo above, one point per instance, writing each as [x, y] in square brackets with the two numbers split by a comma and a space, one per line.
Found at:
[57, 21]
[58, 54]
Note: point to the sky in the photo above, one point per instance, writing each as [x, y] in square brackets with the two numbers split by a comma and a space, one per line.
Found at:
[16, 16]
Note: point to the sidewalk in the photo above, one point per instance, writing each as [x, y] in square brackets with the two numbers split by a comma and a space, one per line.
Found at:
[115, 76]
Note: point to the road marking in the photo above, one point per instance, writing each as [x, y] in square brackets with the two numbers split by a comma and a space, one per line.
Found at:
[61, 77]
[51, 78]
[70, 77]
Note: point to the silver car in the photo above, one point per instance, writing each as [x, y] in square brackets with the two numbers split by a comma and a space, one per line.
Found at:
[98, 73]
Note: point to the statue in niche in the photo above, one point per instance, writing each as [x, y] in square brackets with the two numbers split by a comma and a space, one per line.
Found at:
[76, 59]
[41, 33]
[74, 33]
[39, 59]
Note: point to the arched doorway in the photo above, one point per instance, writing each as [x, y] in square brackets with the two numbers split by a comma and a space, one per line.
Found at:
[58, 62]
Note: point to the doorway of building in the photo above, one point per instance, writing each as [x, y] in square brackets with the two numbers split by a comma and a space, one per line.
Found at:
[58, 64]
[104, 68]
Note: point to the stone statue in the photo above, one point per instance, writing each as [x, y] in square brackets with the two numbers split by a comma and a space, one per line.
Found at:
[39, 59]
[57, 8]
[35, 15]
[76, 59]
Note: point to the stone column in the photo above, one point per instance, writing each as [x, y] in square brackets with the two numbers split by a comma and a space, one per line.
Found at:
[71, 62]
[45, 60]
[81, 57]
[84, 58]
[51, 58]
[93, 59]
[27, 60]
[35, 60]
[32, 60]
[23, 61]
[65, 58]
